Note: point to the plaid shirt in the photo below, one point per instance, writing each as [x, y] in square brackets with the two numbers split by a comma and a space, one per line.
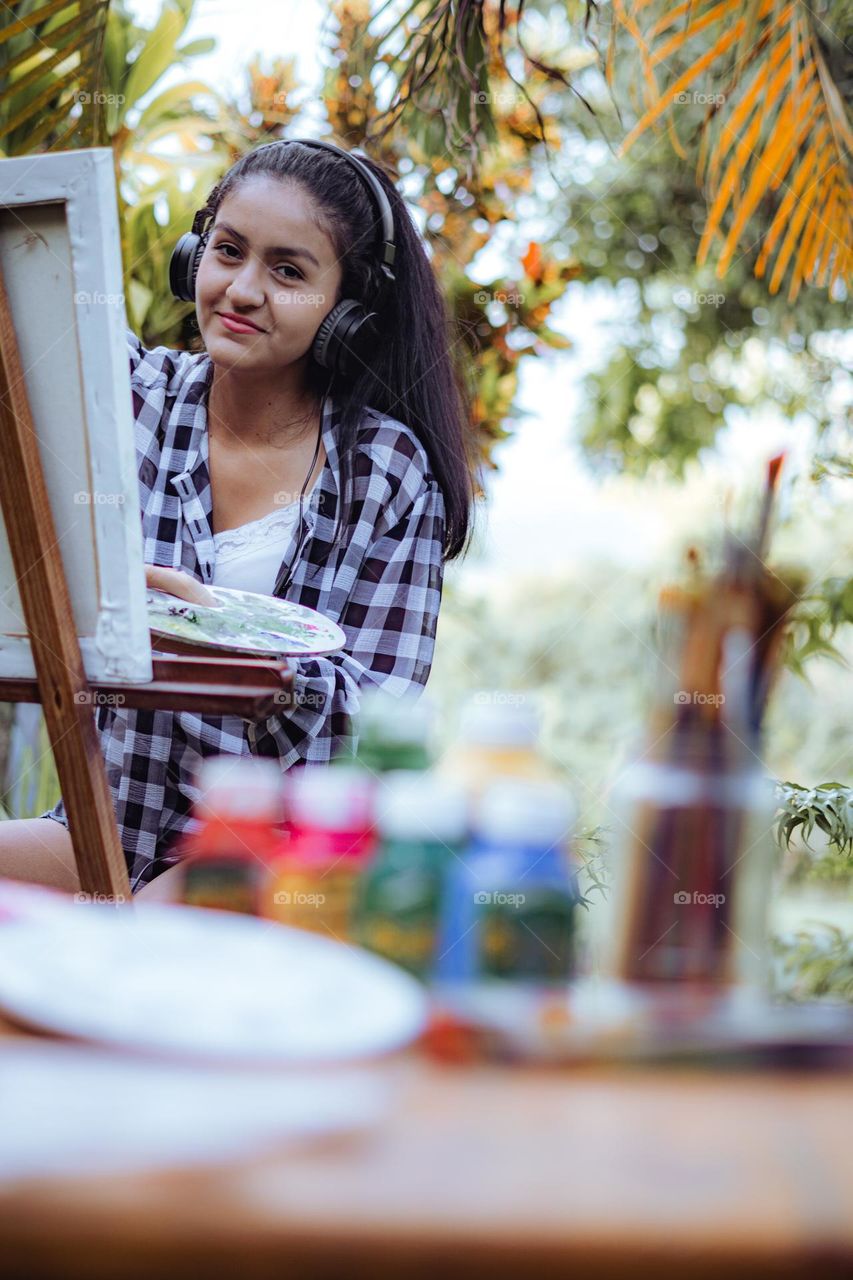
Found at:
[381, 583]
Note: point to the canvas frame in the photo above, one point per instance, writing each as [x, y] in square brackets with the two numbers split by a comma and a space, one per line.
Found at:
[66, 295]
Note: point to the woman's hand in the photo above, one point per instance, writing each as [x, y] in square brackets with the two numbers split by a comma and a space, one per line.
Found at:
[178, 583]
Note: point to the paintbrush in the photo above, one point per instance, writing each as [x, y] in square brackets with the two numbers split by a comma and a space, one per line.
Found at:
[774, 467]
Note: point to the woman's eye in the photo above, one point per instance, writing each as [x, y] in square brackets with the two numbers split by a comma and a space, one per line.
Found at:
[282, 266]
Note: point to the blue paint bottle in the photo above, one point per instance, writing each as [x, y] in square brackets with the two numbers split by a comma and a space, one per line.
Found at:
[510, 902]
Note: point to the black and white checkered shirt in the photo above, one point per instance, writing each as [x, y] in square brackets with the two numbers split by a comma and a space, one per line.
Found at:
[381, 583]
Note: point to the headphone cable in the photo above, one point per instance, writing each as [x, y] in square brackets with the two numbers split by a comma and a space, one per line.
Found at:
[300, 537]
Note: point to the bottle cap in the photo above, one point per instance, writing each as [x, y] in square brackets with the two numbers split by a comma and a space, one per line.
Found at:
[241, 787]
[330, 799]
[397, 719]
[517, 811]
[420, 806]
[394, 732]
[498, 718]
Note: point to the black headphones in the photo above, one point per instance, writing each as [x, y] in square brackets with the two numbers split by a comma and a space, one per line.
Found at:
[347, 336]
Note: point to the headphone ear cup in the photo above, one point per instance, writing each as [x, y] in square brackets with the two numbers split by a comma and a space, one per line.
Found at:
[184, 264]
[343, 340]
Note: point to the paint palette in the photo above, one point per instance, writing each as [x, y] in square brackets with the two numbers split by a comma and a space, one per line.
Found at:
[245, 622]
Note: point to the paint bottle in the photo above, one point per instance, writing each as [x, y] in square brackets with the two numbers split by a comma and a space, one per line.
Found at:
[330, 822]
[498, 737]
[511, 900]
[393, 733]
[420, 820]
[226, 861]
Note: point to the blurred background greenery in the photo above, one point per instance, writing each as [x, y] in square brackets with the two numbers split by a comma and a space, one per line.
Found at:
[503, 125]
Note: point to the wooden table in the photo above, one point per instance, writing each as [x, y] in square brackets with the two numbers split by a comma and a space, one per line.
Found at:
[489, 1171]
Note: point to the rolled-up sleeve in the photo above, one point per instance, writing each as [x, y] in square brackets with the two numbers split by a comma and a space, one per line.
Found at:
[390, 621]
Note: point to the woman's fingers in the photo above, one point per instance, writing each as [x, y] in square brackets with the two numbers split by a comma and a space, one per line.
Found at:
[179, 584]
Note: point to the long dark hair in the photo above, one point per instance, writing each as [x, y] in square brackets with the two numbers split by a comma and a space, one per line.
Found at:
[413, 376]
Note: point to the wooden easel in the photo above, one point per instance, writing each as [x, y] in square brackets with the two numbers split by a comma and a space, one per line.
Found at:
[185, 679]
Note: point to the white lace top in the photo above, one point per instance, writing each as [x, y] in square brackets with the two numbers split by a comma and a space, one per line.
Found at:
[250, 556]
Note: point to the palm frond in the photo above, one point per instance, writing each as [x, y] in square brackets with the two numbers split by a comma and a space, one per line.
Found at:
[51, 72]
[776, 154]
[443, 59]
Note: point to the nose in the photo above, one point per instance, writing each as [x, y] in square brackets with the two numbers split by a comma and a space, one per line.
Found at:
[244, 290]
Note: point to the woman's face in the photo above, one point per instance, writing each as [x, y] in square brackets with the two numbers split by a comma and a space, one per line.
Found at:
[268, 263]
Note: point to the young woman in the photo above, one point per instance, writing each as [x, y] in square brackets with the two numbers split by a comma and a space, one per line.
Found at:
[315, 450]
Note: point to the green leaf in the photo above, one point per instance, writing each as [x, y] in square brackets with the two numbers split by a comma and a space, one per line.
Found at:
[115, 53]
[156, 57]
[139, 301]
[178, 95]
[195, 47]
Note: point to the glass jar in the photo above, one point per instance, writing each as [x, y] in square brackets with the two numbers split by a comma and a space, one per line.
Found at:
[694, 853]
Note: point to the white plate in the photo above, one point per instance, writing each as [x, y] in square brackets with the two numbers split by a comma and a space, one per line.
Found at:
[204, 984]
[245, 622]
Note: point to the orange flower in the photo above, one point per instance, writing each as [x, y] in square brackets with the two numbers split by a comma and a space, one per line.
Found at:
[532, 261]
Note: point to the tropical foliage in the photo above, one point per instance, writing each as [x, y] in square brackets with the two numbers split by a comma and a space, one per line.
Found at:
[827, 808]
[52, 71]
[814, 963]
[502, 319]
[773, 136]
[143, 126]
[775, 131]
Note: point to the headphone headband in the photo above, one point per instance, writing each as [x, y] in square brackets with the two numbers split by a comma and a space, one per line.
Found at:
[386, 217]
[380, 199]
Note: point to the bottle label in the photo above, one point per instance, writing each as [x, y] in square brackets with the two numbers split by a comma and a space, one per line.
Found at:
[398, 916]
[528, 935]
[224, 886]
[321, 902]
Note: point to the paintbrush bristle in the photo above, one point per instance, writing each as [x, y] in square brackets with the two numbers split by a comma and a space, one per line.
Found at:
[774, 466]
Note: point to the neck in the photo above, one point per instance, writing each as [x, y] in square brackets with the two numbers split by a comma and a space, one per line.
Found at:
[243, 410]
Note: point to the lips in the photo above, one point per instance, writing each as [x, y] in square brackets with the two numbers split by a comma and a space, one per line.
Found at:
[234, 325]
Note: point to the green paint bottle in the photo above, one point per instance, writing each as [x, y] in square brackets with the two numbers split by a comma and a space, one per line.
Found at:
[421, 824]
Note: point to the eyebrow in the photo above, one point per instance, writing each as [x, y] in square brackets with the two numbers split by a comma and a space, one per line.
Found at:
[275, 251]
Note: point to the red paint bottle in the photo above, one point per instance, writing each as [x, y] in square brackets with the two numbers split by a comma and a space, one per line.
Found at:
[229, 859]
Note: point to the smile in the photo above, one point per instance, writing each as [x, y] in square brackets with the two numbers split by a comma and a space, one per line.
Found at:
[238, 326]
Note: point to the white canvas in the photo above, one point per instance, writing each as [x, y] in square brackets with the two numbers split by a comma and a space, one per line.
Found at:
[60, 251]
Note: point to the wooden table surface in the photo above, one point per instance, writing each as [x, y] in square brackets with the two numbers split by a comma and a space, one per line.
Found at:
[509, 1172]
